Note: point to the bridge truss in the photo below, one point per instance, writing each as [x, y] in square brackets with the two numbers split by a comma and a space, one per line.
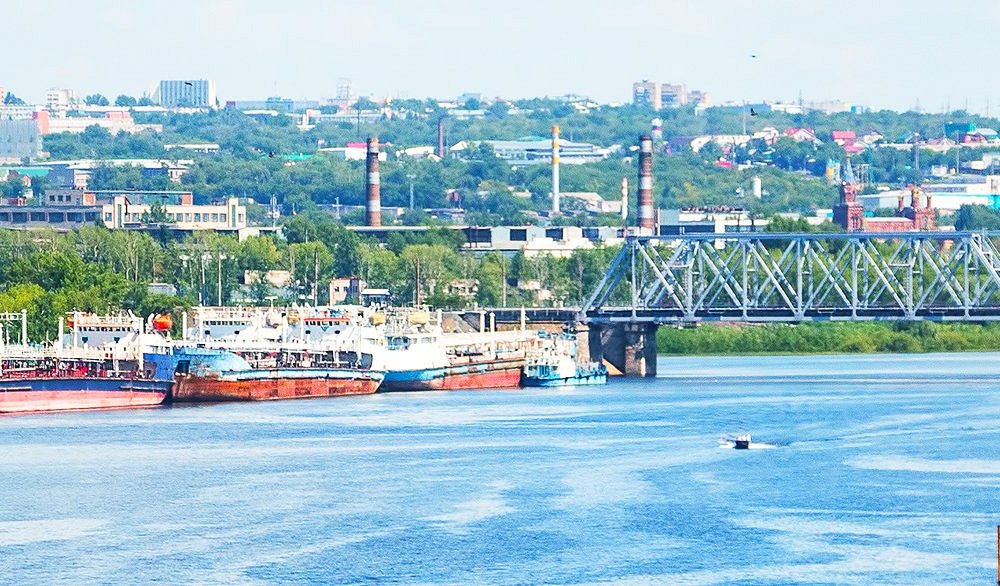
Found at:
[767, 277]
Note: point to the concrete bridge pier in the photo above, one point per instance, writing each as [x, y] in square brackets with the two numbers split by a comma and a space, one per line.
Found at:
[627, 349]
[640, 350]
[582, 343]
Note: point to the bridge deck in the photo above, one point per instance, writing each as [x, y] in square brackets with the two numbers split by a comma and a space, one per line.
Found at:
[940, 276]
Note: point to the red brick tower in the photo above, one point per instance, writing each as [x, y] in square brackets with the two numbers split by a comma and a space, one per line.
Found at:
[848, 213]
[922, 216]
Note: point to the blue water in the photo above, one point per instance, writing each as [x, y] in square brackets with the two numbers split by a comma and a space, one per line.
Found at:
[874, 469]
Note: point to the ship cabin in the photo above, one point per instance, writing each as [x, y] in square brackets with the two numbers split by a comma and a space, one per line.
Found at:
[405, 342]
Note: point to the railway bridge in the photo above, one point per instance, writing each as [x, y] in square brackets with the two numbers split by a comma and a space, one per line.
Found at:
[791, 278]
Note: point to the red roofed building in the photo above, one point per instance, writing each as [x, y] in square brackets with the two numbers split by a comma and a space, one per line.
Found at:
[802, 135]
[848, 140]
[843, 137]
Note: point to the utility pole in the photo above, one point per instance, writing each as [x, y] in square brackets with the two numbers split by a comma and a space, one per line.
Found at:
[503, 281]
[201, 292]
[291, 255]
[315, 292]
[417, 294]
[219, 282]
[958, 156]
[411, 177]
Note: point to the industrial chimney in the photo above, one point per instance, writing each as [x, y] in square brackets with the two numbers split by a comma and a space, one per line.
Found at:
[555, 169]
[441, 138]
[373, 207]
[646, 182]
[624, 210]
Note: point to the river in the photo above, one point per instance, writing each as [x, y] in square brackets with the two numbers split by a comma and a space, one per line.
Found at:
[865, 469]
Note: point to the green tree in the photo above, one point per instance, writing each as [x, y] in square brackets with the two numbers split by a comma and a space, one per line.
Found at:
[12, 187]
[365, 103]
[436, 265]
[125, 101]
[378, 266]
[492, 274]
[95, 134]
[499, 109]
[157, 214]
[96, 100]
[977, 217]
[38, 187]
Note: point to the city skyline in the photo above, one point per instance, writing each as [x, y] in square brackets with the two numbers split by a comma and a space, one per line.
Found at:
[776, 51]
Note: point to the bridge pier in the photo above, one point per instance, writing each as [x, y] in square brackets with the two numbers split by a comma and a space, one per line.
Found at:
[627, 349]
[582, 342]
[640, 350]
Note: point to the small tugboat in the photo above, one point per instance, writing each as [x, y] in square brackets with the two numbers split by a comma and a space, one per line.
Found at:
[742, 442]
[556, 366]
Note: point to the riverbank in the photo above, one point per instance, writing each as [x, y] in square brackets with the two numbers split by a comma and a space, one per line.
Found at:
[829, 337]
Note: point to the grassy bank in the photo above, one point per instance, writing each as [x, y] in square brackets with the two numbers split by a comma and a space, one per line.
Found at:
[827, 337]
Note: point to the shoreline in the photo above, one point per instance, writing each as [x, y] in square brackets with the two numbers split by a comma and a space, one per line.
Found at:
[828, 353]
[816, 338]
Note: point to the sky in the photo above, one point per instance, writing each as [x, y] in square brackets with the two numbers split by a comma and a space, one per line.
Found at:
[879, 53]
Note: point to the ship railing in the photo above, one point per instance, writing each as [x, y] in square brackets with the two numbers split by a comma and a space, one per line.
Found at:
[21, 351]
[486, 338]
[125, 321]
[130, 352]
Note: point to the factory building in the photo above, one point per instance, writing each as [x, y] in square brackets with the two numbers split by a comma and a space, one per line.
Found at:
[537, 150]
[70, 209]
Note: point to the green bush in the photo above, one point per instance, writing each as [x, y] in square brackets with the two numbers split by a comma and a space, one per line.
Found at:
[845, 337]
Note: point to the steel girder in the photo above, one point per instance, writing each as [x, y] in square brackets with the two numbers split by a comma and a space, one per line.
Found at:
[801, 277]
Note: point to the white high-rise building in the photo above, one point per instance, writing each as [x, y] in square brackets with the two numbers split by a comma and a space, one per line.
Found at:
[190, 93]
[344, 88]
[60, 99]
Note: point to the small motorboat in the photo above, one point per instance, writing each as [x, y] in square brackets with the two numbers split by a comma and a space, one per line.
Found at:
[742, 442]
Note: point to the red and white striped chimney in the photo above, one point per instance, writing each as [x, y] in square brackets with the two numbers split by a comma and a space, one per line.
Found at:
[373, 205]
[624, 210]
[645, 204]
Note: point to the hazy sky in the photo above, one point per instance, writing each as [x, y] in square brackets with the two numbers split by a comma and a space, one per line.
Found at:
[881, 53]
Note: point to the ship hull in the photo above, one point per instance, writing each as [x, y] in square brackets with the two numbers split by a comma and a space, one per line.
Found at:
[211, 375]
[475, 376]
[68, 394]
[272, 385]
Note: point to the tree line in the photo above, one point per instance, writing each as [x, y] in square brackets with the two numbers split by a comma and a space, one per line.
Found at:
[830, 337]
[96, 269]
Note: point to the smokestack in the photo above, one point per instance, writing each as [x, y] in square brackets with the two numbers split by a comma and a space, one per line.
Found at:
[624, 210]
[441, 138]
[555, 169]
[899, 203]
[927, 201]
[646, 182]
[373, 209]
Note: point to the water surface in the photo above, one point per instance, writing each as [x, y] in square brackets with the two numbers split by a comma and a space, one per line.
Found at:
[877, 469]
